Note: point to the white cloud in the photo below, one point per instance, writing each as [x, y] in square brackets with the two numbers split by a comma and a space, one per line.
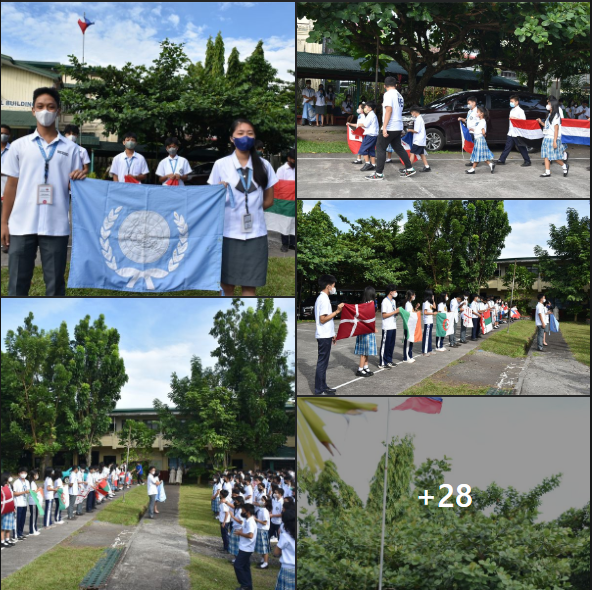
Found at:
[227, 5]
[157, 10]
[525, 236]
[174, 19]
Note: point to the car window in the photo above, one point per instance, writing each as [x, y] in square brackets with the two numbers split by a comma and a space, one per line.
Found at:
[500, 101]
[532, 102]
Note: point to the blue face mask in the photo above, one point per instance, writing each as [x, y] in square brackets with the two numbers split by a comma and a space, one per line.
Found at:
[512, 104]
[244, 144]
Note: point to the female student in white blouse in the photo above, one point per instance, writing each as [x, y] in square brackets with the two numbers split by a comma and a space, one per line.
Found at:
[551, 148]
[286, 551]
[251, 180]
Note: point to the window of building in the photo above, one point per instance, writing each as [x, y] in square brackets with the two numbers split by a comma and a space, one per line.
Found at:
[153, 425]
[533, 269]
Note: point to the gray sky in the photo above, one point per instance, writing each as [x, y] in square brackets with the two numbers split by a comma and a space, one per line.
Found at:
[512, 441]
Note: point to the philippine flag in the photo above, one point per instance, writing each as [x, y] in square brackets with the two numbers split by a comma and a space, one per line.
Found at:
[575, 131]
[84, 24]
[467, 140]
[427, 405]
[407, 142]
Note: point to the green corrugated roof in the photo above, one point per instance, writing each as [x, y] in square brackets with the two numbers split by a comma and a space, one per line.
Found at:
[329, 65]
[283, 453]
[18, 118]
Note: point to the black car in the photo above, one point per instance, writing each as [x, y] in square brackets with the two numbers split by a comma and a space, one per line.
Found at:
[441, 116]
[200, 174]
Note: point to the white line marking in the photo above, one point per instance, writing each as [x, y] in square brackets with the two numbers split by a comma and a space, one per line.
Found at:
[338, 386]
[426, 191]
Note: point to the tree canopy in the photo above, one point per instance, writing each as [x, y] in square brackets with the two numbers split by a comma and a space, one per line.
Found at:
[194, 102]
[430, 37]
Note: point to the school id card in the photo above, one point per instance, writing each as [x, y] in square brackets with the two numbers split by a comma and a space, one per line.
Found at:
[45, 194]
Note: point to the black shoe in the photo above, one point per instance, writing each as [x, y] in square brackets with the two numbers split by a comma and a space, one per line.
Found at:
[357, 161]
[409, 172]
[366, 167]
[402, 170]
[500, 162]
[469, 164]
[330, 391]
[284, 249]
[525, 164]
[566, 169]
[426, 169]
[375, 176]
[470, 171]
[544, 175]
[473, 339]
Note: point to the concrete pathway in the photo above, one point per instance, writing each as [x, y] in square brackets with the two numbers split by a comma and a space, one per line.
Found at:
[25, 552]
[158, 552]
[554, 371]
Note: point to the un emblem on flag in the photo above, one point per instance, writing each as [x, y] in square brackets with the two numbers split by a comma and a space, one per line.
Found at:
[144, 238]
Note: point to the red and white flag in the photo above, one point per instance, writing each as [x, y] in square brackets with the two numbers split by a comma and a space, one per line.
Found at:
[356, 320]
[355, 138]
[527, 129]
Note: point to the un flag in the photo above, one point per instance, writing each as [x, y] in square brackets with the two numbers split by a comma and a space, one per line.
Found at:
[147, 239]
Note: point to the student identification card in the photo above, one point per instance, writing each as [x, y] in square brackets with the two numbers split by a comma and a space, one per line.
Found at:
[44, 194]
[247, 223]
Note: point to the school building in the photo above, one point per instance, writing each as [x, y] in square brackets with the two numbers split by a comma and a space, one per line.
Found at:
[110, 451]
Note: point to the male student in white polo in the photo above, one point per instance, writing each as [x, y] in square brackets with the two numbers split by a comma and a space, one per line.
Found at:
[72, 133]
[174, 167]
[39, 168]
[325, 332]
[540, 320]
[129, 162]
[6, 133]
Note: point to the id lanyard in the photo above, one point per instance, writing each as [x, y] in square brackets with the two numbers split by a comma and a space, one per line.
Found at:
[171, 163]
[47, 159]
[246, 184]
[128, 163]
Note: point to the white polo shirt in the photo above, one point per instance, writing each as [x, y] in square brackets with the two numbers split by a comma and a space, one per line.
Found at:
[123, 165]
[585, 114]
[276, 508]
[472, 118]
[307, 93]
[4, 177]
[427, 319]
[25, 162]
[263, 514]
[393, 99]
[419, 138]
[226, 169]
[475, 309]
[222, 512]
[515, 113]
[540, 309]
[73, 479]
[33, 490]
[287, 544]
[249, 526]
[388, 306]
[47, 494]
[84, 157]
[371, 124]
[152, 488]
[286, 172]
[176, 165]
[323, 307]
[320, 98]
[21, 485]
[480, 126]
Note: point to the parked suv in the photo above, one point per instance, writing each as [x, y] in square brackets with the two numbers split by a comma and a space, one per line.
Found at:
[441, 116]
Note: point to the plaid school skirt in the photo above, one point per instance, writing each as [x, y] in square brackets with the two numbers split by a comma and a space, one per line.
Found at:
[262, 542]
[365, 344]
[8, 521]
[232, 543]
[481, 151]
[547, 150]
[216, 505]
[286, 579]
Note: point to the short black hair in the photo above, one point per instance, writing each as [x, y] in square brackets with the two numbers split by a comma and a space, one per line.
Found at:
[292, 154]
[249, 508]
[258, 144]
[472, 99]
[584, 102]
[325, 280]
[540, 296]
[414, 109]
[171, 140]
[6, 127]
[130, 134]
[390, 81]
[71, 129]
[371, 104]
[307, 81]
[47, 90]
[514, 97]
[390, 288]
[224, 493]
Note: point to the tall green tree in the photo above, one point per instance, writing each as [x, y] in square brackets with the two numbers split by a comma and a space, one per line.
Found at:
[97, 377]
[34, 408]
[254, 365]
[523, 284]
[570, 275]
[234, 71]
[140, 439]
[214, 65]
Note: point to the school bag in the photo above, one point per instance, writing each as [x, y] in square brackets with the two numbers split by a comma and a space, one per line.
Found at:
[7, 500]
[554, 324]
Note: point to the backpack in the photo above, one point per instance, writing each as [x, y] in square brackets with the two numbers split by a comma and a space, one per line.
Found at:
[7, 500]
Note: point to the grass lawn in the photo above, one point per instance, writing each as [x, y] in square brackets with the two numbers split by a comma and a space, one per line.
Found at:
[429, 387]
[209, 573]
[281, 281]
[61, 568]
[577, 336]
[305, 146]
[515, 344]
[126, 513]
[195, 511]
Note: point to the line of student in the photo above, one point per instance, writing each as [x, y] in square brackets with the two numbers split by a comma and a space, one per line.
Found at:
[36, 174]
[365, 345]
[254, 510]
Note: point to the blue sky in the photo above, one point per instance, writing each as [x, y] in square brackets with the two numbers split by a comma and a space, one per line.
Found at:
[158, 336]
[513, 442]
[132, 31]
[529, 219]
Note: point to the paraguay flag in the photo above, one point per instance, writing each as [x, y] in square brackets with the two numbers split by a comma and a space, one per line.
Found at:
[411, 324]
[427, 405]
[467, 140]
[84, 24]
[575, 131]
[407, 142]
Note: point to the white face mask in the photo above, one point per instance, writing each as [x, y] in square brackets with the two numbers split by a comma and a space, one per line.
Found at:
[395, 294]
[333, 291]
[22, 475]
[548, 107]
[73, 138]
[46, 118]
[5, 138]
[446, 298]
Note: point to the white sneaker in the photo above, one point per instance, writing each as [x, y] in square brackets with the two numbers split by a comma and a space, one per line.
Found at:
[264, 565]
[442, 349]
[60, 522]
[411, 360]
[36, 533]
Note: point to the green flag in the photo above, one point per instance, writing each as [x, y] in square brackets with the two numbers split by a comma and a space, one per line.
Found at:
[441, 324]
[38, 499]
[60, 495]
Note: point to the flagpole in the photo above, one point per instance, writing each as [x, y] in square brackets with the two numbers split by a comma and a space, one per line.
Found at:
[511, 299]
[83, 36]
[388, 415]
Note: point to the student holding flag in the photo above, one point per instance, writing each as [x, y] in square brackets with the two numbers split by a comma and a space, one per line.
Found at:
[552, 149]
[58, 485]
[366, 343]
[464, 309]
[456, 304]
[471, 119]
[408, 345]
[428, 310]
[476, 315]
[481, 152]
[514, 140]
[370, 124]
[21, 490]
[389, 310]
[441, 309]
[174, 170]
[33, 503]
[419, 139]
[129, 163]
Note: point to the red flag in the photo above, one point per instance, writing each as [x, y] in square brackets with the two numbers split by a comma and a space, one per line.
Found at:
[426, 405]
[354, 138]
[356, 320]
[171, 182]
[131, 179]
[285, 190]
[84, 24]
